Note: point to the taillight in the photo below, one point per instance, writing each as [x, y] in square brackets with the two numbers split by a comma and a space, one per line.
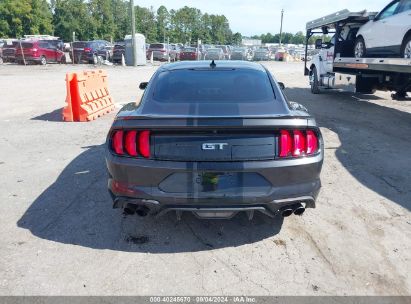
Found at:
[299, 147]
[297, 143]
[312, 142]
[285, 143]
[87, 50]
[131, 143]
[117, 142]
[144, 143]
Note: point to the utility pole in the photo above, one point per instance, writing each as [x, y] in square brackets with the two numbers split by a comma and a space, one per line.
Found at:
[133, 32]
[281, 26]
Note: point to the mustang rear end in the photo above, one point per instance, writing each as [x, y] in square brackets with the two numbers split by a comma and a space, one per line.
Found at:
[214, 139]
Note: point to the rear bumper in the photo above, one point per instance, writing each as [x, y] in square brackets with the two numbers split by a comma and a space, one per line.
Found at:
[150, 183]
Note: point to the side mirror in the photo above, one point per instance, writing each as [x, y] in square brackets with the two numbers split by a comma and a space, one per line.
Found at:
[318, 44]
[143, 85]
[282, 86]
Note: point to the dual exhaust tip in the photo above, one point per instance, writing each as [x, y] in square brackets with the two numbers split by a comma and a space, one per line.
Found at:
[297, 209]
[131, 209]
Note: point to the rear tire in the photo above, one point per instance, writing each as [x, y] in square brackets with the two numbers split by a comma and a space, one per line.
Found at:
[406, 47]
[359, 48]
[314, 84]
[365, 85]
[43, 60]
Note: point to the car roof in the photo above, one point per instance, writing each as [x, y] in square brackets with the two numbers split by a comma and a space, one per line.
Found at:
[204, 64]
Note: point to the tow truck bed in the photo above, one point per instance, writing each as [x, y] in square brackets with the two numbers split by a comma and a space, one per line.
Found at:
[395, 65]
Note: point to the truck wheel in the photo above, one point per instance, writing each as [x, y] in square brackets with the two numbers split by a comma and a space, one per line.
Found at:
[359, 48]
[365, 85]
[43, 60]
[314, 83]
[406, 47]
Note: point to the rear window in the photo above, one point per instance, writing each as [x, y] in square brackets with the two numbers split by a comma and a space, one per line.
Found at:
[79, 44]
[156, 46]
[216, 92]
[26, 45]
[189, 50]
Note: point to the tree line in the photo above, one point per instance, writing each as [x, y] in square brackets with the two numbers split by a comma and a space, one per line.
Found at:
[110, 20]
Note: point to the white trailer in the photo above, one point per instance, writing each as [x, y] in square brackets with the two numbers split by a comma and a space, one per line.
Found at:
[335, 67]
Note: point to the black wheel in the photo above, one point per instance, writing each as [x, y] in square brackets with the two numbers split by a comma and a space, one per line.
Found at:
[359, 48]
[314, 81]
[406, 47]
[43, 60]
[365, 85]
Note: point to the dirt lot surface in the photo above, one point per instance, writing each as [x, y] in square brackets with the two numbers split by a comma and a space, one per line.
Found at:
[60, 236]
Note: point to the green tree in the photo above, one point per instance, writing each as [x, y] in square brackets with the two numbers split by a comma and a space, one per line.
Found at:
[236, 39]
[121, 18]
[163, 23]
[146, 23]
[102, 19]
[21, 17]
[72, 16]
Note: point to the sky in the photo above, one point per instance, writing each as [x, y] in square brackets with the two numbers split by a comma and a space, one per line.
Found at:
[255, 17]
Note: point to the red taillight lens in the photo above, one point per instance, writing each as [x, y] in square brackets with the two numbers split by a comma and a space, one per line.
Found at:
[117, 142]
[131, 143]
[297, 143]
[312, 142]
[144, 143]
[285, 143]
[87, 50]
[299, 146]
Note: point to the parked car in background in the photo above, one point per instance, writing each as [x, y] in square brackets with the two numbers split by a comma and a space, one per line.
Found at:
[9, 50]
[226, 51]
[175, 51]
[239, 54]
[119, 50]
[262, 53]
[280, 54]
[42, 52]
[189, 53]
[388, 34]
[214, 54]
[88, 51]
[161, 52]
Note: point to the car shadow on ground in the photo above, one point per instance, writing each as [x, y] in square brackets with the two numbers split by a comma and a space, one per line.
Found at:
[76, 209]
[55, 115]
[374, 139]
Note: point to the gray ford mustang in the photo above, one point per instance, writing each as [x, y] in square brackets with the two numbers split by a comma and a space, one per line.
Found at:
[215, 139]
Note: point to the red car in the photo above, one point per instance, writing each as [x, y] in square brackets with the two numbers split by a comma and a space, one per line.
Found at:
[189, 53]
[39, 51]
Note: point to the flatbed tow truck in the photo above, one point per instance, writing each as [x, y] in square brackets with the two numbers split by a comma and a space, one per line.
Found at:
[335, 66]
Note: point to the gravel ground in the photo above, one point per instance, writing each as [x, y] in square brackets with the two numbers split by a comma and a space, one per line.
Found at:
[60, 235]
